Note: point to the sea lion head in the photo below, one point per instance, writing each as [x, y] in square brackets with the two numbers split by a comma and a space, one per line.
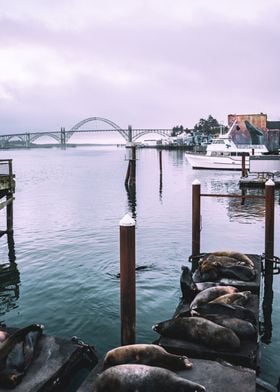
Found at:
[185, 362]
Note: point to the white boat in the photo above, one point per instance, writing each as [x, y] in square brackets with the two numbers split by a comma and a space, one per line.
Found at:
[223, 154]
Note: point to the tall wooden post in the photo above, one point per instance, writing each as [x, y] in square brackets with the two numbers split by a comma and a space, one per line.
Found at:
[127, 280]
[10, 212]
[195, 221]
[269, 225]
[243, 165]
[269, 253]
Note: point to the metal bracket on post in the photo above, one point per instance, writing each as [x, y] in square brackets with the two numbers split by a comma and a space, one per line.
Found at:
[275, 264]
[275, 261]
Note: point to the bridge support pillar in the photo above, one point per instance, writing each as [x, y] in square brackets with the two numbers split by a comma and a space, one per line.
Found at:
[130, 179]
[62, 138]
[27, 140]
[129, 133]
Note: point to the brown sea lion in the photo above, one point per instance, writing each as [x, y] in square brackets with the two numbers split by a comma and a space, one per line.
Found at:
[146, 354]
[225, 259]
[143, 378]
[240, 298]
[200, 330]
[240, 257]
[211, 293]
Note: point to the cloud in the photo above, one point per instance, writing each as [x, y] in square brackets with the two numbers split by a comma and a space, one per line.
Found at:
[147, 63]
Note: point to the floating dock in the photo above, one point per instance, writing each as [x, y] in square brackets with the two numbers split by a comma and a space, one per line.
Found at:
[58, 365]
[258, 180]
[261, 169]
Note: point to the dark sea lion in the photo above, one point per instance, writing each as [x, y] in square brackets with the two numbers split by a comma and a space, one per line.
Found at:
[17, 353]
[188, 287]
[238, 272]
[226, 310]
[17, 337]
[210, 276]
[211, 293]
[146, 354]
[200, 330]
[242, 328]
[240, 298]
[143, 378]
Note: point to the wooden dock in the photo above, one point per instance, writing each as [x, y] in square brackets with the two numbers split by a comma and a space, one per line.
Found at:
[7, 190]
[58, 366]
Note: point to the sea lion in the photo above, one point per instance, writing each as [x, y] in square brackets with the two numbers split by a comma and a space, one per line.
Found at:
[226, 310]
[199, 330]
[17, 353]
[240, 298]
[242, 328]
[214, 267]
[238, 272]
[147, 354]
[188, 287]
[241, 258]
[211, 293]
[143, 378]
[15, 338]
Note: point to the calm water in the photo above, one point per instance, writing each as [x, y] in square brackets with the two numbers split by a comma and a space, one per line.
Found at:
[66, 241]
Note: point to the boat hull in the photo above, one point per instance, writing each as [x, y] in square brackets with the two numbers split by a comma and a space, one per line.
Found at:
[203, 161]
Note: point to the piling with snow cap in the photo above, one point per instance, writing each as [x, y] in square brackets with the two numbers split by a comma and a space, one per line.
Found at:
[127, 280]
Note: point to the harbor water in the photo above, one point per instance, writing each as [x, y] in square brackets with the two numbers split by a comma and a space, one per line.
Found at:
[61, 266]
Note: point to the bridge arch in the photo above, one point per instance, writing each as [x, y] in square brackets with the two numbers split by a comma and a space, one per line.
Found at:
[52, 135]
[144, 132]
[76, 127]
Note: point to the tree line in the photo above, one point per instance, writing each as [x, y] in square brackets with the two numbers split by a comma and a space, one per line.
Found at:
[209, 126]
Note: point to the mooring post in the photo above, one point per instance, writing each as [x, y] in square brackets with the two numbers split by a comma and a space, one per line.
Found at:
[195, 222]
[9, 199]
[269, 254]
[243, 165]
[269, 225]
[9, 212]
[127, 280]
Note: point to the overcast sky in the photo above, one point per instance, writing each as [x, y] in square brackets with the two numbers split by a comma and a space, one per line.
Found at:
[149, 63]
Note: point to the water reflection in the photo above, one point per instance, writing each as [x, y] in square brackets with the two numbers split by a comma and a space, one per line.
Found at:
[247, 209]
[131, 198]
[9, 280]
[160, 187]
[267, 309]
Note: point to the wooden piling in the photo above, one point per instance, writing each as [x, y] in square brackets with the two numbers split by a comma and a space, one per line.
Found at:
[195, 222]
[10, 212]
[269, 225]
[269, 254]
[243, 166]
[127, 280]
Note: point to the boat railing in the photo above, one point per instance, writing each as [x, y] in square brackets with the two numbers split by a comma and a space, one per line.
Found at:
[255, 146]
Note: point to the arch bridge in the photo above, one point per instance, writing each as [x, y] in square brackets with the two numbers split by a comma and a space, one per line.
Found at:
[62, 136]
